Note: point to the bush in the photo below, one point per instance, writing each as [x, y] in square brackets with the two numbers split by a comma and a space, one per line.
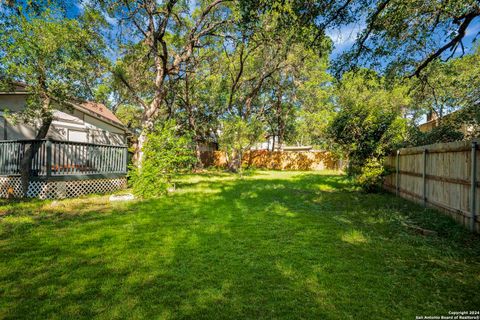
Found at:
[366, 134]
[369, 121]
[165, 155]
[446, 132]
[371, 176]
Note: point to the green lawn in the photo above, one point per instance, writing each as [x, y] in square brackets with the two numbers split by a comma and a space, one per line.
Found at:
[271, 245]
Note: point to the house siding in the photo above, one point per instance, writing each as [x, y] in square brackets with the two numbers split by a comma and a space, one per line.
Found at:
[67, 123]
[12, 102]
[96, 131]
[435, 122]
[3, 133]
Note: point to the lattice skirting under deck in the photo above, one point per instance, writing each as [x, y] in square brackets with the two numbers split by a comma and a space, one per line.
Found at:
[12, 187]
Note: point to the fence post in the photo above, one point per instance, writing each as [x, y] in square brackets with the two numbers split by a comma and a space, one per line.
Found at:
[397, 177]
[473, 195]
[48, 144]
[424, 177]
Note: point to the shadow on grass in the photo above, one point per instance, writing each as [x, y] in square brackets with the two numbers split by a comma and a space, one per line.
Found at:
[274, 245]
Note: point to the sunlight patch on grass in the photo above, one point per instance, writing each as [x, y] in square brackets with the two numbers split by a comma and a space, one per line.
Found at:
[325, 187]
[311, 283]
[15, 224]
[354, 237]
[279, 209]
[286, 270]
[249, 195]
[210, 296]
[15, 220]
[218, 229]
[343, 220]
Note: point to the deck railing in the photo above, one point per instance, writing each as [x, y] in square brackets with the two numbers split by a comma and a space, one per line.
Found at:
[52, 158]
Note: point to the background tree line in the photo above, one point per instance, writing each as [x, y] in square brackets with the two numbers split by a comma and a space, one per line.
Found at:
[234, 72]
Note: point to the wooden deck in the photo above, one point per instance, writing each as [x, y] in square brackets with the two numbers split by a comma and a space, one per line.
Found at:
[63, 160]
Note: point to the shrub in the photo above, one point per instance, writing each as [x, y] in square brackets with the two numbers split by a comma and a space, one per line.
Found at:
[445, 132]
[368, 122]
[371, 175]
[165, 155]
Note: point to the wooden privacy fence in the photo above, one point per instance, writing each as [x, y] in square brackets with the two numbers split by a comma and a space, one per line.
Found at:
[278, 160]
[62, 158]
[444, 176]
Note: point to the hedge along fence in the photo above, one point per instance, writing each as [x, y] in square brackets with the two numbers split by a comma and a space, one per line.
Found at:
[445, 176]
[278, 160]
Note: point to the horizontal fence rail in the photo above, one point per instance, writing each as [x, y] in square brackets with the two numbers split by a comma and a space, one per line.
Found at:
[52, 158]
[444, 176]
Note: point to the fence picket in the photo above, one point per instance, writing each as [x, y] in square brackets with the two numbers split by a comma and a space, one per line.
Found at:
[447, 169]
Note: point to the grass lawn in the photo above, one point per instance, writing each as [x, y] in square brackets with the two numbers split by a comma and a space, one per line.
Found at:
[285, 245]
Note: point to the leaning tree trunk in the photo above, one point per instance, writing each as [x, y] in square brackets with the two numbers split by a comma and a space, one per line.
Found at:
[148, 122]
[30, 151]
[148, 125]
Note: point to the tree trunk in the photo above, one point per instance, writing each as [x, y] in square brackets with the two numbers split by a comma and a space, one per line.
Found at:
[281, 133]
[235, 164]
[30, 151]
[192, 123]
[142, 139]
[148, 119]
[281, 122]
[198, 154]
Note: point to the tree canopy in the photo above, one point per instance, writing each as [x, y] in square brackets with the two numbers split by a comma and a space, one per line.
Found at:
[236, 72]
[59, 60]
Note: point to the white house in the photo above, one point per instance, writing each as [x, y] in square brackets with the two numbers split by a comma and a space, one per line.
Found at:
[81, 121]
[85, 150]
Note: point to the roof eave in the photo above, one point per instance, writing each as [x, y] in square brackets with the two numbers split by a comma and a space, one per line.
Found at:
[78, 107]
[99, 116]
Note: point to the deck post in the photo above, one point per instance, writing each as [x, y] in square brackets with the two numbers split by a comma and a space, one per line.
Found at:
[473, 195]
[48, 144]
[125, 159]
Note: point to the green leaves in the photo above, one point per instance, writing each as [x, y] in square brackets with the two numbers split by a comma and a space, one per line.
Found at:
[54, 56]
[166, 154]
[237, 136]
[368, 123]
[402, 37]
[448, 87]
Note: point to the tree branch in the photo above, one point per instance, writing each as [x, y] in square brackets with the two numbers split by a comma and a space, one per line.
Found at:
[372, 20]
[467, 19]
[133, 92]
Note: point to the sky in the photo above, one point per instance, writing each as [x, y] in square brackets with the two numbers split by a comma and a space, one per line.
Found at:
[472, 31]
[344, 38]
